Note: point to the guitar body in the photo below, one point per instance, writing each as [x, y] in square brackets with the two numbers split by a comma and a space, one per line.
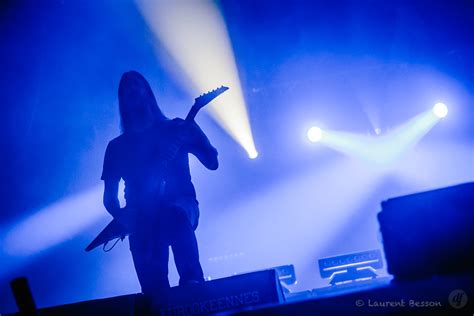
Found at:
[112, 231]
[115, 229]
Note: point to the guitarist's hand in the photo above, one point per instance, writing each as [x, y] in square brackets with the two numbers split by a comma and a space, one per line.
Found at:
[126, 218]
[190, 135]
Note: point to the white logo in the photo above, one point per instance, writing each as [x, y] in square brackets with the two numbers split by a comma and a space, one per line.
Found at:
[457, 299]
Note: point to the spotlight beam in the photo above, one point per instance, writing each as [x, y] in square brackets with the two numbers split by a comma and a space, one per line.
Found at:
[195, 35]
[54, 224]
[386, 149]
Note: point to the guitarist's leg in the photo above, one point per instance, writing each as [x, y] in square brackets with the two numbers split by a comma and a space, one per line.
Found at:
[150, 257]
[185, 249]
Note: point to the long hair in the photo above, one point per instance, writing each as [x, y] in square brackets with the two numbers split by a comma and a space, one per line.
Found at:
[135, 94]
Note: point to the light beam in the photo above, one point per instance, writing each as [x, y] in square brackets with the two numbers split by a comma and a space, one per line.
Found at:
[382, 150]
[195, 35]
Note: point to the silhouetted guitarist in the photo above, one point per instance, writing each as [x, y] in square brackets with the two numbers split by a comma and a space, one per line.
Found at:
[164, 206]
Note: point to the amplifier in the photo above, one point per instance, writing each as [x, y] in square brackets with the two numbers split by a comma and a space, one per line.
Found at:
[429, 233]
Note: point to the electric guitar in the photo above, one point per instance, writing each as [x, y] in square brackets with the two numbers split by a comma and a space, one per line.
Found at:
[115, 229]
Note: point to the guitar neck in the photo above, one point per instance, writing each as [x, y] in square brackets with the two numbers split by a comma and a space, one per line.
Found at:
[200, 102]
[189, 118]
[192, 113]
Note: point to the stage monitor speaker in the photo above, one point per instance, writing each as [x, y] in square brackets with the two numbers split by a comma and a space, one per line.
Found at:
[429, 233]
[238, 292]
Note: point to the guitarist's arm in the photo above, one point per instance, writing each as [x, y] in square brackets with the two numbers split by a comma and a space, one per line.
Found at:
[207, 155]
[111, 177]
[198, 144]
[110, 199]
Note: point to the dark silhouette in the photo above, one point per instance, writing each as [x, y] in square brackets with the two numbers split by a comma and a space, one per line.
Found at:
[161, 218]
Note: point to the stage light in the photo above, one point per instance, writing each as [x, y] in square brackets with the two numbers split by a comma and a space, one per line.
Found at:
[195, 36]
[440, 110]
[315, 134]
[253, 154]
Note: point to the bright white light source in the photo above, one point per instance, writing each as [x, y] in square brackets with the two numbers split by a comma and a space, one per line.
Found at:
[315, 134]
[253, 154]
[440, 110]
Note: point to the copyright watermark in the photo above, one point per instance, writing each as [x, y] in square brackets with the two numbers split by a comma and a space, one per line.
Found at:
[398, 303]
[457, 299]
[359, 303]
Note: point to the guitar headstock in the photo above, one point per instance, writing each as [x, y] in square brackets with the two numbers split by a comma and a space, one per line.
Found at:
[205, 98]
